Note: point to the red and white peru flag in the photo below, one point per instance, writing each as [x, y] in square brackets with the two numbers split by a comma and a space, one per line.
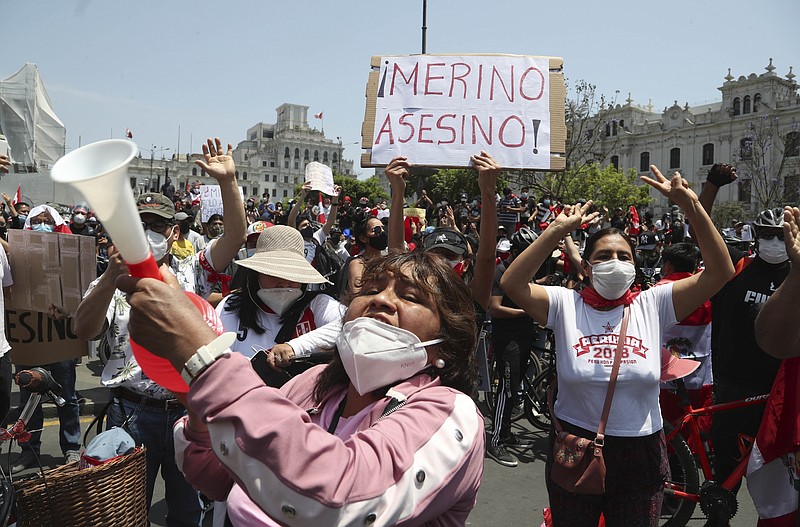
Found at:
[318, 115]
[772, 471]
[18, 196]
[128, 133]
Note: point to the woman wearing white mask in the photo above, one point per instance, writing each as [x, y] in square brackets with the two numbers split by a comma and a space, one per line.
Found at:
[587, 327]
[274, 306]
[386, 434]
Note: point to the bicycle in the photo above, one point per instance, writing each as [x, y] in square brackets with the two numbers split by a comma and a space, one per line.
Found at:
[41, 384]
[684, 491]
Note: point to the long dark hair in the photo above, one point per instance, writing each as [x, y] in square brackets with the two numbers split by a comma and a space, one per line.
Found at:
[599, 235]
[456, 312]
[243, 301]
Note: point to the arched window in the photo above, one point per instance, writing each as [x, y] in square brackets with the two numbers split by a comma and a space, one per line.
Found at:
[325, 157]
[286, 152]
[194, 171]
[608, 130]
[614, 128]
[305, 155]
[756, 102]
[746, 104]
[736, 105]
[244, 176]
[615, 162]
[296, 153]
[708, 154]
[316, 155]
[644, 161]
[675, 158]
[335, 157]
[792, 144]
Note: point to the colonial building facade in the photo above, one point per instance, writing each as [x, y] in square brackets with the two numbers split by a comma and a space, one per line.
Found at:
[272, 159]
[754, 127]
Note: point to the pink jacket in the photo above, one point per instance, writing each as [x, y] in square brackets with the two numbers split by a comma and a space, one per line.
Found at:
[419, 465]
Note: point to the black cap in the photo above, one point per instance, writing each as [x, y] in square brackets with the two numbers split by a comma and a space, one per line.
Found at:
[446, 239]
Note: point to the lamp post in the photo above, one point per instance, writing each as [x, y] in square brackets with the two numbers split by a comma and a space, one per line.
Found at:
[424, 24]
[153, 151]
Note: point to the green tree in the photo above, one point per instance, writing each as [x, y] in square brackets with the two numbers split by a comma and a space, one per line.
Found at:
[723, 213]
[605, 186]
[358, 188]
[449, 184]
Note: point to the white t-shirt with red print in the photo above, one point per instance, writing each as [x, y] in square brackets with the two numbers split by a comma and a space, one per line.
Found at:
[586, 340]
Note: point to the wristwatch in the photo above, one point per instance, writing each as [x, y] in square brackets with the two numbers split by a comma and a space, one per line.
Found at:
[206, 355]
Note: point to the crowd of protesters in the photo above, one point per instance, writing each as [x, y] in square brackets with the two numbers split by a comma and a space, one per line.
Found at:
[294, 282]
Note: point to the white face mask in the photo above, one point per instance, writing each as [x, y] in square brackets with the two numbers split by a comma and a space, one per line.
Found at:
[612, 278]
[772, 251]
[80, 219]
[279, 299]
[158, 244]
[375, 354]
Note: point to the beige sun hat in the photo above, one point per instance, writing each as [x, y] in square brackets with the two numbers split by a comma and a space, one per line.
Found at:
[279, 253]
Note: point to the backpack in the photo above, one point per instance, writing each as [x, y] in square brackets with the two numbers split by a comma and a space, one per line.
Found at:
[328, 263]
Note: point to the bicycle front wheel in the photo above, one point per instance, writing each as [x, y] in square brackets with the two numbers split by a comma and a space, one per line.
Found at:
[535, 404]
[676, 512]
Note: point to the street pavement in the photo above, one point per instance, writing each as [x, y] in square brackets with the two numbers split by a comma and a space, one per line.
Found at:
[508, 496]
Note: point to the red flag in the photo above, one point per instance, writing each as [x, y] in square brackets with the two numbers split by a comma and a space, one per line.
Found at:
[321, 216]
[128, 133]
[18, 196]
[634, 221]
[318, 115]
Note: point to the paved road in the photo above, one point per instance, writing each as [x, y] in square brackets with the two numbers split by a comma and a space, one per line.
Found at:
[508, 496]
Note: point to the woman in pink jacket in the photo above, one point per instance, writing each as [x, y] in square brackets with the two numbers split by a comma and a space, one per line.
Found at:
[384, 435]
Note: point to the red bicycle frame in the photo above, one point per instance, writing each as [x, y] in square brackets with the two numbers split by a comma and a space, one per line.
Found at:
[689, 422]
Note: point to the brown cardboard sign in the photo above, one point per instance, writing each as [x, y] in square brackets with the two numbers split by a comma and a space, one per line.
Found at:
[49, 268]
[440, 109]
[37, 339]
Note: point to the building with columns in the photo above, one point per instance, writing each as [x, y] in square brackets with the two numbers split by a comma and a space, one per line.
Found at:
[271, 159]
[757, 108]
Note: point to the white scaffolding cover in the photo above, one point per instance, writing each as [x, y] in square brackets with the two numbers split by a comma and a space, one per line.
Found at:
[36, 135]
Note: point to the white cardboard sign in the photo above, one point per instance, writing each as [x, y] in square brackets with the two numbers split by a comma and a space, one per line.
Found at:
[321, 177]
[439, 110]
[211, 201]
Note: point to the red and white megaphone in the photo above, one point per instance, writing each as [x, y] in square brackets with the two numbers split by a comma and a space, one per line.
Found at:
[99, 171]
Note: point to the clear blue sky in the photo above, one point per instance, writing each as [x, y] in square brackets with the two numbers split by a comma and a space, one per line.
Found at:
[216, 68]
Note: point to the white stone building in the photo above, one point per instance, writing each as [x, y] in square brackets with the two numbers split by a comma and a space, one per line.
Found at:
[691, 139]
[272, 159]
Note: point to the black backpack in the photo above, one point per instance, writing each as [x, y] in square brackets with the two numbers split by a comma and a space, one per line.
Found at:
[328, 263]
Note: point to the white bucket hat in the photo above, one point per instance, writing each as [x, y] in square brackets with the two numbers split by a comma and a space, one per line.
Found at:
[279, 253]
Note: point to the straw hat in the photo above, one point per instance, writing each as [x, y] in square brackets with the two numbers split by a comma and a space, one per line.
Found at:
[279, 253]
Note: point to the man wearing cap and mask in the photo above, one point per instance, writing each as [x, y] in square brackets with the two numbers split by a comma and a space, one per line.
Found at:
[145, 409]
[741, 368]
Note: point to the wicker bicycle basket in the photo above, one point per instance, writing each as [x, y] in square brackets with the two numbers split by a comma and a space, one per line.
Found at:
[112, 494]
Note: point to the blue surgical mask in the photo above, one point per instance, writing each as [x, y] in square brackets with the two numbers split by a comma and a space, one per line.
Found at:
[42, 227]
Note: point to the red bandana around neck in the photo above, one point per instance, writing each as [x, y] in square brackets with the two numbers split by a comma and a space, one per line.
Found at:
[593, 298]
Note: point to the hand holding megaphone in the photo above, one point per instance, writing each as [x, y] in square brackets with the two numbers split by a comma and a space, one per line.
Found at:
[164, 319]
[99, 172]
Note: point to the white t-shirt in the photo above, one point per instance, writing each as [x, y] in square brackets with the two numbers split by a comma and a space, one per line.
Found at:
[586, 339]
[317, 329]
[7, 281]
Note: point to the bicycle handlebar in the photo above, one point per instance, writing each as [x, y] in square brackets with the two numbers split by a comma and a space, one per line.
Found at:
[39, 380]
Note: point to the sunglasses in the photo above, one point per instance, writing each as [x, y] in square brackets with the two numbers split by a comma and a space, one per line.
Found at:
[158, 226]
[377, 231]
